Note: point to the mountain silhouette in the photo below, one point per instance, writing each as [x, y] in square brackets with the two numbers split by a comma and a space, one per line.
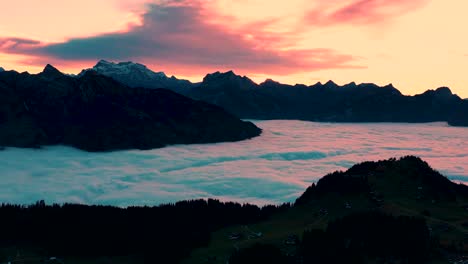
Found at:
[96, 113]
[329, 102]
[409, 173]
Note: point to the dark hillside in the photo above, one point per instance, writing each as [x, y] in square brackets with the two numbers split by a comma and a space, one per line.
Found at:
[96, 113]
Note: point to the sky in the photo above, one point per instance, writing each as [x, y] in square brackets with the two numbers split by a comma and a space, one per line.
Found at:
[415, 45]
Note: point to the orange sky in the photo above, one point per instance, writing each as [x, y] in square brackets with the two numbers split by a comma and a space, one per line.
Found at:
[416, 45]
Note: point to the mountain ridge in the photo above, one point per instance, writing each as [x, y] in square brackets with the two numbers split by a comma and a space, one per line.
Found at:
[103, 66]
[97, 113]
[329, 102]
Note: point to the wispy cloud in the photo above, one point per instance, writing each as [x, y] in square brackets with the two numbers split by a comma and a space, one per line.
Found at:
[360, 11]
[182, 33]
[12, 44]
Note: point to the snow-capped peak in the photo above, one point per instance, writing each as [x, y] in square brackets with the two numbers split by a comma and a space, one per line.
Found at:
[123, 68]
[136, 75]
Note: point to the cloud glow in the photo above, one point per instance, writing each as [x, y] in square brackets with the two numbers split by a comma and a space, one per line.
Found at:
[416, 45]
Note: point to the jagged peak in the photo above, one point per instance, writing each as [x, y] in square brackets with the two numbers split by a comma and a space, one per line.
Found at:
[132, 64]
[392, 88]
[229, 73]
[331, 83]
[50, 71]
[369, 85]
[439, 92]
[270, 82]
[218, 74]
[49, 67]
[444, 90]
[103, 63]
[350, 85]
[229, 77]
[106, 64]
[88, 72]
[298, 85]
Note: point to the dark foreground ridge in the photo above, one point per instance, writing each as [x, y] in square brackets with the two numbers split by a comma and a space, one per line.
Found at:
[398, 211]
[409, 172]
[96, 113]
[389, 211]
[327, 102]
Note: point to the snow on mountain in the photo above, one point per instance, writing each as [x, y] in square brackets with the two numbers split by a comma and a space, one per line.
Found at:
[128, 67]
[137, 75]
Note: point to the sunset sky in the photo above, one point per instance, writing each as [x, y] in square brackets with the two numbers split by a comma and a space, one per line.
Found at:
[416, 45]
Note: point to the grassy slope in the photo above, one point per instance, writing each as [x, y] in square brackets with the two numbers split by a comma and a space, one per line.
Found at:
[400, 197]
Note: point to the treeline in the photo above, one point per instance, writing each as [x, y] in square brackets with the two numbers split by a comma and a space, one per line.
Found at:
[161, 234]
[367, 237]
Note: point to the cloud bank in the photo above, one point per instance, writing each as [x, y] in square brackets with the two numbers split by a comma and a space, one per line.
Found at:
[273, 168]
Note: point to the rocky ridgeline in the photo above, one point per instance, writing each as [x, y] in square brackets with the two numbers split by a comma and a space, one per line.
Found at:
[327, 102]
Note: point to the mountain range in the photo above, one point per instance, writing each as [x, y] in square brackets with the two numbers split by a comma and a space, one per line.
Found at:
[327, 102]
[96, 113]
[119, 106]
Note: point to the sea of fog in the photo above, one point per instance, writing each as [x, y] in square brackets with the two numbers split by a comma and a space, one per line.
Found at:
[273, 168]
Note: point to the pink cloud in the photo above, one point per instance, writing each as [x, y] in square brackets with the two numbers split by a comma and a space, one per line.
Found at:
[181, 33]
[11, 44]
[361, 11]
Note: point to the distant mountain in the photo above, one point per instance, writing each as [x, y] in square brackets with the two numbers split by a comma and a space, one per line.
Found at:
[1, 69]
[327, 102]
[238, 95]
[96, 113]
[137, 75]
